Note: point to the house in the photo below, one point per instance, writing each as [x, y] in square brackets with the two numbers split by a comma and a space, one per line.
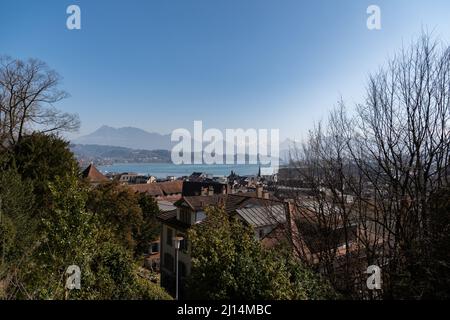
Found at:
[168, 190]
[220, 179]
[151, 179]
[172, 188]
[139, 179]
[245, 183]
[294, 175]
[126, 177]
[133, 178]
[165, 206]
[320, 238]
[274, 222]
[151, 189]
[152, 259]
[94, 176]
[264, 214]
[199, 176]
[197, 188]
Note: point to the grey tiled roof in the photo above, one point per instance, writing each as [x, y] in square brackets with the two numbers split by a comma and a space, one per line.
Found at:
[260, 216]
[167, 215]
[165, 206]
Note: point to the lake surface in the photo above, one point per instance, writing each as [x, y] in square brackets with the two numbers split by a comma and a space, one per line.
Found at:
[162, 170]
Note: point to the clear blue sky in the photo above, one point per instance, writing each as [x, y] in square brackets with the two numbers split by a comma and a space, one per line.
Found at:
[161, 64]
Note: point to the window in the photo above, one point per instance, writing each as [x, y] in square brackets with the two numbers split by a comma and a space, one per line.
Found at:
[169, 238]
[185, 216]
[154, 247]
[184, 245]
[200, 216]
[168, 261]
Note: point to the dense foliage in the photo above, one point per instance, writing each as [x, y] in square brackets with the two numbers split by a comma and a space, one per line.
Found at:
[229, 263]
[51, 219]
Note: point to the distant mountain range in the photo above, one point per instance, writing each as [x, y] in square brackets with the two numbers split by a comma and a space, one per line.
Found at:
[127, 137]
[132, 144]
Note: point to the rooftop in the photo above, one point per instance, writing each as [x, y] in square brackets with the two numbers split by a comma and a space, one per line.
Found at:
[93, 175]
[262, 216]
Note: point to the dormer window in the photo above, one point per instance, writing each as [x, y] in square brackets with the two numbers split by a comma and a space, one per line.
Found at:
[185, 216]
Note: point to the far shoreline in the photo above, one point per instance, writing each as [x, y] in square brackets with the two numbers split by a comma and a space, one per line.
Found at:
[163, 170]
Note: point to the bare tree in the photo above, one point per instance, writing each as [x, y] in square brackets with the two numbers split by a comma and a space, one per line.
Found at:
[326, 203]
[377, 170]
[28, 92]
[403, 131]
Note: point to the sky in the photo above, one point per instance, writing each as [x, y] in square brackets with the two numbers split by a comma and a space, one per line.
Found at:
[265, 64]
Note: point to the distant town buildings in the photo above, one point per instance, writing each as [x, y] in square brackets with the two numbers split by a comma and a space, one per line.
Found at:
[275, 219]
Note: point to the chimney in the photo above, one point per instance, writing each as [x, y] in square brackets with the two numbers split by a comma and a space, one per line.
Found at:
[291, 207]
[291, 223]
[211, 191]
[259, 191]
[265, 194]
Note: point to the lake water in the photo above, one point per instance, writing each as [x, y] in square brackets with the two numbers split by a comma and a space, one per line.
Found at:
[162, 170]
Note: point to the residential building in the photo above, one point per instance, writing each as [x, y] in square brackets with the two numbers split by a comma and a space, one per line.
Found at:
[199, 176]
[151, 189]
[172, 189]
[264, 214]
[126, 177]
[94, 176]
[198, 188]
[168, 190]
[151, 179]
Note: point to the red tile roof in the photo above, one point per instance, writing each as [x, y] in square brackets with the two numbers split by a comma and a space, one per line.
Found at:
[93, 175]
[171, 187]
[152, 189]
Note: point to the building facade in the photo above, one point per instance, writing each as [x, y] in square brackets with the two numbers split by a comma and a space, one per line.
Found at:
[263, 214]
